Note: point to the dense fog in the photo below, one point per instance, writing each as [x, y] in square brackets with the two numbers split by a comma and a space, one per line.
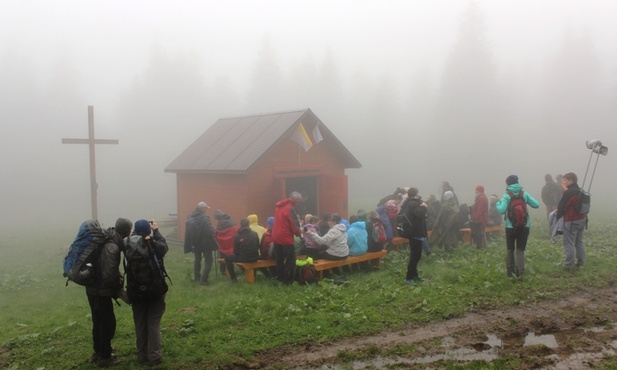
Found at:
[419, 91]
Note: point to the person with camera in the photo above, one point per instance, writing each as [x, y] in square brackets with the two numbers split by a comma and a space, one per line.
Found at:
[146, 287]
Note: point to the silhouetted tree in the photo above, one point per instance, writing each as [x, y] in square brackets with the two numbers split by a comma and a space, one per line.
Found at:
[468, 105]
[266, 92]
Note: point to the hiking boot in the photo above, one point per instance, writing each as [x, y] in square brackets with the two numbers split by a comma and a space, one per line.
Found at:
[107, 362]
[95, 357]
[156, 361]
[411, 282]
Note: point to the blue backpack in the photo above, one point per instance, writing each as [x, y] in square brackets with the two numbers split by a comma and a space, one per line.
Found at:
[82, 260]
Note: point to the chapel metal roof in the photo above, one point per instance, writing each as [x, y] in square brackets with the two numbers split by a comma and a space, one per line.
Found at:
[235, 144]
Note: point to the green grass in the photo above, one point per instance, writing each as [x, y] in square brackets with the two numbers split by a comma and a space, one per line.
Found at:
[46, 325]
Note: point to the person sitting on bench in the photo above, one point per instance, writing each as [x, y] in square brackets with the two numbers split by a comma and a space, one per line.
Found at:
[335, 240]
[246, 248]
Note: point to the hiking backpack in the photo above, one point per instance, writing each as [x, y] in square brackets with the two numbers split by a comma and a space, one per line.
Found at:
[583, 202]
[403, 225]
[517, 210]
[305, 272]
[82, 259]
[145, 272]
[379, 233]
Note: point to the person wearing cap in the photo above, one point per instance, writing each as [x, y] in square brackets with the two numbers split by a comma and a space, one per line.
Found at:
[479, 218]
[147, 313]
[286, 226]
[107, 286]
[516, 239]
[199, 239]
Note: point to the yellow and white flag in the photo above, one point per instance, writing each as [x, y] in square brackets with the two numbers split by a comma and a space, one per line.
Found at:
[317, 135]
[301, 137]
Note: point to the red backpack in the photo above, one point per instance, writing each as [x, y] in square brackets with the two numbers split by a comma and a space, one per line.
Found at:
[517, 210]
[379, 233]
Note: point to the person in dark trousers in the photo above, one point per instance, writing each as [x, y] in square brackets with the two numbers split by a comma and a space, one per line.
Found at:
[479, 218]
[246, 248]
[551, 194]
[415, 210]
[574, 223]
[107, 286]
[147, 314]
[516, 239]
[286, 226]
[199, 239]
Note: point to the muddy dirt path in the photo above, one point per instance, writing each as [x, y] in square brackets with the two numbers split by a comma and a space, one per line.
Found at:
[576, 332]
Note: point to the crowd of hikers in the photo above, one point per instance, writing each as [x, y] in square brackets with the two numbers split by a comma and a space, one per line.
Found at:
[437, 223]
[95, 255]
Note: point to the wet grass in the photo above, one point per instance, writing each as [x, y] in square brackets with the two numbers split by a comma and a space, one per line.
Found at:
[45, 324]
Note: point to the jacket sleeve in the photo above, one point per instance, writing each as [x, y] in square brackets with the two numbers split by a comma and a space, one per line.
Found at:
[533, 203]
[294, 223]
[160, 244]
[326, 239]
[418, 211]
[502, 204]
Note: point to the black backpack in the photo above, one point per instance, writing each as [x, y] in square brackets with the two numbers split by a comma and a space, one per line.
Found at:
[517, 210]
[145, 272]
[583, 203]
[82, 259]
[403, 224]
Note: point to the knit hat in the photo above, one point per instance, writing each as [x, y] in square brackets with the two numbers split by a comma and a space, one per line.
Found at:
[512, 179]
[270, 221]
[480, 189]
[123, 226]
[142, 227]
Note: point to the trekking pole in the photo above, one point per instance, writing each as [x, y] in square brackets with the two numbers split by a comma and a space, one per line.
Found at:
[596, 147]
[587, 170]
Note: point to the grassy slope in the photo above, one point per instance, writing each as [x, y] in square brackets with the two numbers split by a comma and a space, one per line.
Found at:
[47, 325]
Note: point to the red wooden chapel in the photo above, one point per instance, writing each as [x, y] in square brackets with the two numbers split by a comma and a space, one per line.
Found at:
[244, 165]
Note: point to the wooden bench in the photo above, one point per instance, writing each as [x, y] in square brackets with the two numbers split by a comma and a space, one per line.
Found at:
[397, 241]
[322, 265]
[250, 267]
[489, 229]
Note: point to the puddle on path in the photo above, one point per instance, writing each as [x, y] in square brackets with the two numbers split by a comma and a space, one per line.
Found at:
[489, 349]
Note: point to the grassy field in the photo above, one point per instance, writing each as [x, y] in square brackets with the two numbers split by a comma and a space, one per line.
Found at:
[46, 325]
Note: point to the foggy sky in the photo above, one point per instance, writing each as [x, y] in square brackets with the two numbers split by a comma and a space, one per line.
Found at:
[418, 91]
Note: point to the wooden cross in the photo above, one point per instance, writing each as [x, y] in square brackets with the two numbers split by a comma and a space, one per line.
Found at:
[91, 141]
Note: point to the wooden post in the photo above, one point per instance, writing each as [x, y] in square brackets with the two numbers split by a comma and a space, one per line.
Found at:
[91, 141]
